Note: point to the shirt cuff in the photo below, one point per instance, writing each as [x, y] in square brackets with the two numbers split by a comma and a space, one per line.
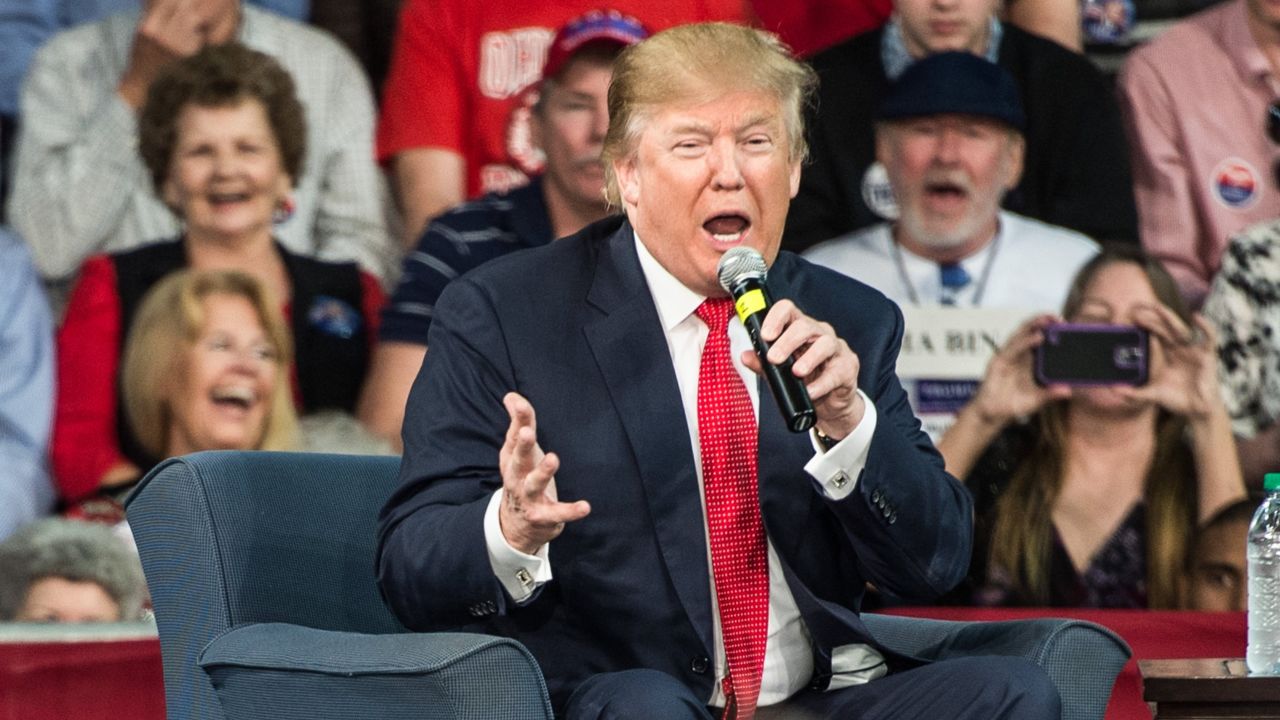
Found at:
[838, 468]
[521, 574]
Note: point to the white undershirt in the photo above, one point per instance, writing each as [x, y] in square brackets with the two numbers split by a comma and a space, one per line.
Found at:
[788, 662]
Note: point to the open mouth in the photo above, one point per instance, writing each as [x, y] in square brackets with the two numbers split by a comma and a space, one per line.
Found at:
[221, 199]
[234, 397]
[727, 227]
[945, 190]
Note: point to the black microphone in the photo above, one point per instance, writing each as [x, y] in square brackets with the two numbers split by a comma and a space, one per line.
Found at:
[742, 272]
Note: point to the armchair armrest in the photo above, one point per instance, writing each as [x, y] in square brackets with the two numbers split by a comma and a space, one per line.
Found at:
[1082, 658]
[277, 671]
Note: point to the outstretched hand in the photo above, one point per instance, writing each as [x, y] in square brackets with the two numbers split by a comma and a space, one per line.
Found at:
[1184, 369]
[530, 515]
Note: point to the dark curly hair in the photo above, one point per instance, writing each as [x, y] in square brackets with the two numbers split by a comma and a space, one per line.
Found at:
[221, 76]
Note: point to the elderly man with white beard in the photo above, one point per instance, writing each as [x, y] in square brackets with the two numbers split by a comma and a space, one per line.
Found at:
[950, 136]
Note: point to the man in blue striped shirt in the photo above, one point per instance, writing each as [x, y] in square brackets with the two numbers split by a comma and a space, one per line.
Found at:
[567, 119]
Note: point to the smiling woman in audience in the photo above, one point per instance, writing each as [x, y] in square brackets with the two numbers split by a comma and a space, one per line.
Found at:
[206, 367]
[223, 137]
[1094, 501]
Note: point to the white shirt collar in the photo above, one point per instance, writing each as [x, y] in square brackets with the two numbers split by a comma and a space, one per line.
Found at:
[674, 300]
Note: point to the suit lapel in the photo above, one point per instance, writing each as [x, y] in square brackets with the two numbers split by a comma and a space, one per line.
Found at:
[629, 347]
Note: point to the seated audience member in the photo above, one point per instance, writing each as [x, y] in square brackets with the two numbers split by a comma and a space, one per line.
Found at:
[1076, 171]
[1217, 566]
[26, 389]
[949, 137]
[206, 367]
[1199, 107]
[25, 25]
[1093, 502]
[222, 135]
[57, 570]
[1244, 307]
[646, 395]
[79, 187]
[568, 123]
[453, 123]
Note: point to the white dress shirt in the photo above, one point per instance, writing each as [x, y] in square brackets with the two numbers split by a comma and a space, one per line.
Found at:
[788, 662]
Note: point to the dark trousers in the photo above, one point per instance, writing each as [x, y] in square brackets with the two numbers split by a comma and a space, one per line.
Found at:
[973, 688]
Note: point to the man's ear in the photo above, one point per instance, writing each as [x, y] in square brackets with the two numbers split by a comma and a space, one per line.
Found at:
[1017, 156]
[628, 179]
[882, 143]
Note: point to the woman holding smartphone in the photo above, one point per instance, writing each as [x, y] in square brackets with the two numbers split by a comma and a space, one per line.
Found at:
[1091, 502]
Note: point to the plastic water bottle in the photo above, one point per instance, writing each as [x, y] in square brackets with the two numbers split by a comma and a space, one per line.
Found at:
[1263, 655]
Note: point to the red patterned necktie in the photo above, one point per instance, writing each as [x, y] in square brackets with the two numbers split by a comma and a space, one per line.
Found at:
[739, 555]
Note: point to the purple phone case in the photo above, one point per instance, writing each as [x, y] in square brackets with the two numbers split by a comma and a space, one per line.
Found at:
[1133, 372]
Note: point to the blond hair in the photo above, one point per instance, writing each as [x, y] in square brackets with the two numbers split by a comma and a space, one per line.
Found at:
[167, 323]
[701, 62]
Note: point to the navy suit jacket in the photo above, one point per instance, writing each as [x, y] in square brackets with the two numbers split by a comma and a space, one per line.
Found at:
[572, 326]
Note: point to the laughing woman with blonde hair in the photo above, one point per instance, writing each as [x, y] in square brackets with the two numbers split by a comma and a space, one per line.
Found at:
[206, 367]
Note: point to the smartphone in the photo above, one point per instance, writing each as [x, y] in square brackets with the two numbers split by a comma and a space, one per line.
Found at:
[1085, 354]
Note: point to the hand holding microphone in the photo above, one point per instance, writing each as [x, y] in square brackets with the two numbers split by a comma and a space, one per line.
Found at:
[811, 372]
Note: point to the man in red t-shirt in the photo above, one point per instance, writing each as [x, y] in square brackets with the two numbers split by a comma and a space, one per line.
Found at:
[456, 82]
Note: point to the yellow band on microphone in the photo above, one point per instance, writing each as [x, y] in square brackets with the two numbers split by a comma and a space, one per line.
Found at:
[750, 303]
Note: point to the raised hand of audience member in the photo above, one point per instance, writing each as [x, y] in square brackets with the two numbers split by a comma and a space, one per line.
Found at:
[1008, 392]
[170, 30]
[1184, 381]
[1184, 372]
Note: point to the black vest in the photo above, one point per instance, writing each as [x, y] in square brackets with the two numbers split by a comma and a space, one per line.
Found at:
[331, 362]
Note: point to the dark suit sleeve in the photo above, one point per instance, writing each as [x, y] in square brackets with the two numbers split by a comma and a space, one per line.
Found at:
[432, 562]
[910, 523]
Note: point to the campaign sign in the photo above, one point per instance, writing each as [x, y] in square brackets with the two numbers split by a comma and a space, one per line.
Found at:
[944, 354]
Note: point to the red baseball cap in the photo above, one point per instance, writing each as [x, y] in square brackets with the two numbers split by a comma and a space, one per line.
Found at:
[608, 27]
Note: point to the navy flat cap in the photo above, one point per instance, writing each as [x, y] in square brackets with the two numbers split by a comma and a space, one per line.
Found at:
[954, 83]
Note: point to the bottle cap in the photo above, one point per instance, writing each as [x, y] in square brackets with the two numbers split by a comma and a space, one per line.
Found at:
[1271, 481]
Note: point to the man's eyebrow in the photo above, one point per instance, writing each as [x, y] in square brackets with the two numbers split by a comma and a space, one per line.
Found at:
[691, 126]
[762, 118]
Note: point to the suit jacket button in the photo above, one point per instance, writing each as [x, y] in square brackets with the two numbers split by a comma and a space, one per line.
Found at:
[699, 665]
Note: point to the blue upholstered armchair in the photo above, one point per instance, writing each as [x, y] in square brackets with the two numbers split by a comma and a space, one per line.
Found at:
[261, 571]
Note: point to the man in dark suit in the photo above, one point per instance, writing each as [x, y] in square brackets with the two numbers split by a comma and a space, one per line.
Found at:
[704, 561]
[1076, 171]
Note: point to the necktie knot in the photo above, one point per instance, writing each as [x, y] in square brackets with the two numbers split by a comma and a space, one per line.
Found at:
[715, 312]
[954, 279]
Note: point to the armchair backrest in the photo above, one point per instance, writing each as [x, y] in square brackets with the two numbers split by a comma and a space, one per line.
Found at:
[228, 538]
